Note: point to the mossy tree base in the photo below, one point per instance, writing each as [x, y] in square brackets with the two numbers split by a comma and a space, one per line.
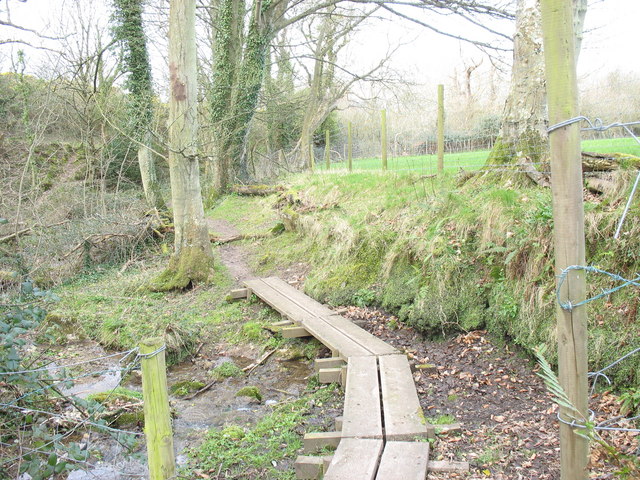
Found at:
[192, 265]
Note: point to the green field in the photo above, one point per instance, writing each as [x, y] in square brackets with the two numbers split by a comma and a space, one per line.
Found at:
[427, 164]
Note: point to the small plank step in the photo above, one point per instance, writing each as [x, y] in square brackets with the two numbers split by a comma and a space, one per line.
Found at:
[355, 459]
[362, 416]
[330, 375]
[238, 294]
[337, 341]
[317, 440]
[294, 332]
[310, 467]
[403, 417]
[404, 461]
[333, 362]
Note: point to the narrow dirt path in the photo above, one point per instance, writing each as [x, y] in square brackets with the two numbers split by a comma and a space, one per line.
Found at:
[232, 256]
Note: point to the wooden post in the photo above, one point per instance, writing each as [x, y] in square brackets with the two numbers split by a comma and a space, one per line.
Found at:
[327, 149]
[157, 419]
[440, 128]
[568, 221]
[312, 160]
[383, 137]
[349, 148]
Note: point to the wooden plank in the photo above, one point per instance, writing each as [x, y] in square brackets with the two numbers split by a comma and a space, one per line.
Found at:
[448, 467]
[362, 411]
[276, 300]
[333, 362]
[403, 417]
[312, 306]
[355, 458]
[360, 336]
[317, 440]
[330, 375]
[308, 467]
[238, 294]
[332, 338]
[338, 423]
[294, 332]
[404, 461]
[316, 309]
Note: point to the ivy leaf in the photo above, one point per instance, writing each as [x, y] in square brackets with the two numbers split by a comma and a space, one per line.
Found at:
[3, 221]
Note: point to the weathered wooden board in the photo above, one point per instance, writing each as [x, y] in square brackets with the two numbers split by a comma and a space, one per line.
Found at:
[404, 461]
[360, 336]
[448, 467]
[355, 459]
[331, 362]
[330, 375]
[276, 299]
[309, 304]
[309, 467]
[362, 416]
[329, 336]
[403, 417]
[294, 332]
[334, 338]
[315, 441]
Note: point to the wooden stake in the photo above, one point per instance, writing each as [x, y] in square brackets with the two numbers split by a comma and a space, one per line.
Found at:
[440, 128]
[383, 137]
[157, 419]
[349, 148]
[327, 149]
[568, 220]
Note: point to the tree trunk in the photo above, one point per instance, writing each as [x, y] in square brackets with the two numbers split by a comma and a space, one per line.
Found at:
[130, 31]
[150, 183]
[523, 136]
[192, 260]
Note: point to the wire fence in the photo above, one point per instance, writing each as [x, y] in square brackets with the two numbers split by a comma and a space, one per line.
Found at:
[28, 410]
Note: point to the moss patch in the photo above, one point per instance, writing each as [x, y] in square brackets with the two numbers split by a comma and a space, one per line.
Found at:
[251, 392]
[192, 265]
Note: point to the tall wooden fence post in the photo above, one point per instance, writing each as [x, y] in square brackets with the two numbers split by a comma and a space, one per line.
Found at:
[440, 128]
[327, 149]
[349, 148]
[383, 137]
[157, 419]
[312, 162]
[568, 228]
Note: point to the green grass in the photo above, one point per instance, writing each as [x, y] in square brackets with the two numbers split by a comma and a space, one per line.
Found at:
[427, 164]
[265, 450]
[113, 309]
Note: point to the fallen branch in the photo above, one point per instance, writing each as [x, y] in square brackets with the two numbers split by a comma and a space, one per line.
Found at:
[257, 190]
[237, 238]
[29, 230]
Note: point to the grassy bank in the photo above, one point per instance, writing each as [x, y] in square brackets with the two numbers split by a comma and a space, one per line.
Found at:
[447, 258]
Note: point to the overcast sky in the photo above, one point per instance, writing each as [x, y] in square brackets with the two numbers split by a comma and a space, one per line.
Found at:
[610, 41]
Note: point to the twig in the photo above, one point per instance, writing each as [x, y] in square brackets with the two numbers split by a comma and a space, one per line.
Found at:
[281, 391]
[250, 368]
[203, 389]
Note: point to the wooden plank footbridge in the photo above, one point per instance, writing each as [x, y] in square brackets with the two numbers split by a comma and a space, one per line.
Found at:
[382, 434]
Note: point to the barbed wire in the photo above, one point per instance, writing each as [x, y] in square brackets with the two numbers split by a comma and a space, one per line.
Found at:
[569, 306]
[75, 364]
[78, 423]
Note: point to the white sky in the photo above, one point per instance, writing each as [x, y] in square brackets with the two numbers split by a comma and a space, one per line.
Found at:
[610, 41]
